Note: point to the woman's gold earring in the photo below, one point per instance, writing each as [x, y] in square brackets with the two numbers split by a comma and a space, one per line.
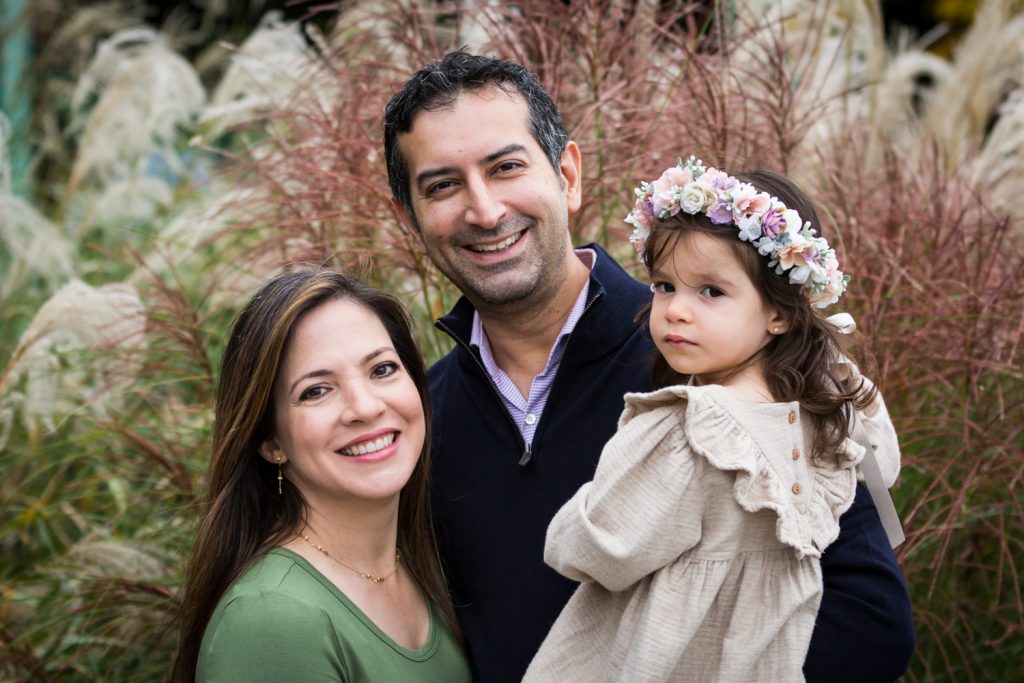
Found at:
[280, 477]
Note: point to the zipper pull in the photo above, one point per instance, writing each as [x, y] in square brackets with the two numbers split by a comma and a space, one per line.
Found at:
[526, 454]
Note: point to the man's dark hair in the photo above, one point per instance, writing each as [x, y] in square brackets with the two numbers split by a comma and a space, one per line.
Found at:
[438, 85]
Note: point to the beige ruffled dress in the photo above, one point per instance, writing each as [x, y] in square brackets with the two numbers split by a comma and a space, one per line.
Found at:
[698, 542]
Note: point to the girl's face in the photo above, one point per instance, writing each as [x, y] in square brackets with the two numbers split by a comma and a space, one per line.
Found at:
[348, 420]
[707, 316]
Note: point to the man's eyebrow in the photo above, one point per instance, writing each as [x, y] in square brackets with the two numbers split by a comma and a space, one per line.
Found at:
[426, 175]
[507, 149]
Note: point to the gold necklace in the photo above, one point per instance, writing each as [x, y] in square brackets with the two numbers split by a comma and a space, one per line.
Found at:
[366, 575]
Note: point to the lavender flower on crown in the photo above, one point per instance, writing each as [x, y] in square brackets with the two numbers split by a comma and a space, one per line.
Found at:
[780, 233]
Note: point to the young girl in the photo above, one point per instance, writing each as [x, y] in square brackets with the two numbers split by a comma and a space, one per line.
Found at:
[698, 542]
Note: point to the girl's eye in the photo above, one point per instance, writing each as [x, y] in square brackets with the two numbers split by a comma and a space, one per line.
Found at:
[312, 393]
[662, 288]
[384, 370]
[711, 291]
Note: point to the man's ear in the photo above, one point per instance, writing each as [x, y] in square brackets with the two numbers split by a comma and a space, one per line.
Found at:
[271, 451]
[407, 219]
[571, 168]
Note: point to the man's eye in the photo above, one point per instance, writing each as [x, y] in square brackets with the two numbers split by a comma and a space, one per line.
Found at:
[507, 166]
[440, 187]
[662, 288]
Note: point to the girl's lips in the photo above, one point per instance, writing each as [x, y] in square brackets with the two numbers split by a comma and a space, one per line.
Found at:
[677, 341]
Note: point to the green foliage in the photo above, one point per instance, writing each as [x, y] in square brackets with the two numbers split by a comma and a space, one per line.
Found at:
[104, 432]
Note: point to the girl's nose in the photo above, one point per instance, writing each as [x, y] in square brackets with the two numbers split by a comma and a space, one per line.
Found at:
[679, 308]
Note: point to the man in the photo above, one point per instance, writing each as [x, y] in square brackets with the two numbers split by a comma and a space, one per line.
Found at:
[546, 345]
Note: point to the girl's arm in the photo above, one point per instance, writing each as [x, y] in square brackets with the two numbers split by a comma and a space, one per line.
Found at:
[639, 513]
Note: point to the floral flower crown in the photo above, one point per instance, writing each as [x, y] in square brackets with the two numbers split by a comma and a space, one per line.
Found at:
[764, 221]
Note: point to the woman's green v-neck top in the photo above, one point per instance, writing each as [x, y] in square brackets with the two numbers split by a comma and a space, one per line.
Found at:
[282, 620]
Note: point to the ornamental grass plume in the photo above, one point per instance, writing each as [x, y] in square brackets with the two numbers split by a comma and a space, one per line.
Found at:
[272, 63]
[83, 348]
[31, 247]
[132, 102]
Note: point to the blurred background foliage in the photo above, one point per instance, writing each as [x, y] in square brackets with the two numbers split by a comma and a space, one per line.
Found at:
[157, 160]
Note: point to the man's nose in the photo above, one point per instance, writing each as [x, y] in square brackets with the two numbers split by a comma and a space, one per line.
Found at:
[484, 209]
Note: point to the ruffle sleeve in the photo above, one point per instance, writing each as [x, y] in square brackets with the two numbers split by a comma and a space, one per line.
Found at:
[808, 522]
[638, 514]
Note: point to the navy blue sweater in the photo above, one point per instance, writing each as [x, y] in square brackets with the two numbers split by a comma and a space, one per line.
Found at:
[494, 498]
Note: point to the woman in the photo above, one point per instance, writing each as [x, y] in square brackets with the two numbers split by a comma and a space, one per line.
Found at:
[315, 559]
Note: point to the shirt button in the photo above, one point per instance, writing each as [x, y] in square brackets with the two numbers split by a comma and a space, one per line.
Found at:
[796, 453]
[792, 417]
[796, 488]
[530, 418]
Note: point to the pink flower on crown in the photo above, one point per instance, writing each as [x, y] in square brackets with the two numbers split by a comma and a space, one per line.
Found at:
[665, 190]
[748, 202]
[720, 180]
[794, 255]
[642, 216]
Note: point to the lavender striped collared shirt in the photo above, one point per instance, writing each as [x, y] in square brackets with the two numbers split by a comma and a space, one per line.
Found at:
[526, 411]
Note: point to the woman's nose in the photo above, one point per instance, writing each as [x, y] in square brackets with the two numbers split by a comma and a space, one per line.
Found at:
[361, 404]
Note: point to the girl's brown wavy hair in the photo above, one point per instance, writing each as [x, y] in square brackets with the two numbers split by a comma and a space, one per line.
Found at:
[802, 363]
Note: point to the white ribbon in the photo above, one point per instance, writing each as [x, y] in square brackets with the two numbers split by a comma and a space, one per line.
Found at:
[843, 322]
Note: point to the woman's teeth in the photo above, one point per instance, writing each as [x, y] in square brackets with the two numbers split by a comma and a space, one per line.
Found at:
[370, 446]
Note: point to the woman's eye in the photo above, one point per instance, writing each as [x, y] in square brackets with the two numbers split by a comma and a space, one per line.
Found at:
[312, 393]
[662, 288]
[711, 291]
[384, 370]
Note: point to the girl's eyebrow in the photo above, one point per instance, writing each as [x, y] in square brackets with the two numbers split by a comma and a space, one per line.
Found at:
[701, 277]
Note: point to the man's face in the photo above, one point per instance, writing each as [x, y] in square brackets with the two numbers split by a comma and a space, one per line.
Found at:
[493, 214]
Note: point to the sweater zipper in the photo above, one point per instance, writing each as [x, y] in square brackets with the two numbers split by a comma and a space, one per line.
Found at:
[554, 383]
[527, 447]
[525, 458]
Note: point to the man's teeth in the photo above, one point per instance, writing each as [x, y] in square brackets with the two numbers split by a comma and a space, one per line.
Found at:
[370, 446]
[504, 244]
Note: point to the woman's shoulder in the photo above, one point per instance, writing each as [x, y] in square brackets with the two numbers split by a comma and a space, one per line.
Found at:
[279, 570]
[279, 583]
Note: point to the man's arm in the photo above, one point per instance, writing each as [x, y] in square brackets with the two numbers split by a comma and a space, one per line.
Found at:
[864, 631]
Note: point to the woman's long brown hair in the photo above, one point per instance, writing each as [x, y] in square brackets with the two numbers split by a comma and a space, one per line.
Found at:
[244, 515]
[801, 364]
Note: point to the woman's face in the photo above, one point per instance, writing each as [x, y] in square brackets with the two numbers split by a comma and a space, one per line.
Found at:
[347, 417]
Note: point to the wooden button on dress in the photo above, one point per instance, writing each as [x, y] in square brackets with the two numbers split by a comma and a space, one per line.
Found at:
[796, 488]
[796, 453]
[792, 416]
